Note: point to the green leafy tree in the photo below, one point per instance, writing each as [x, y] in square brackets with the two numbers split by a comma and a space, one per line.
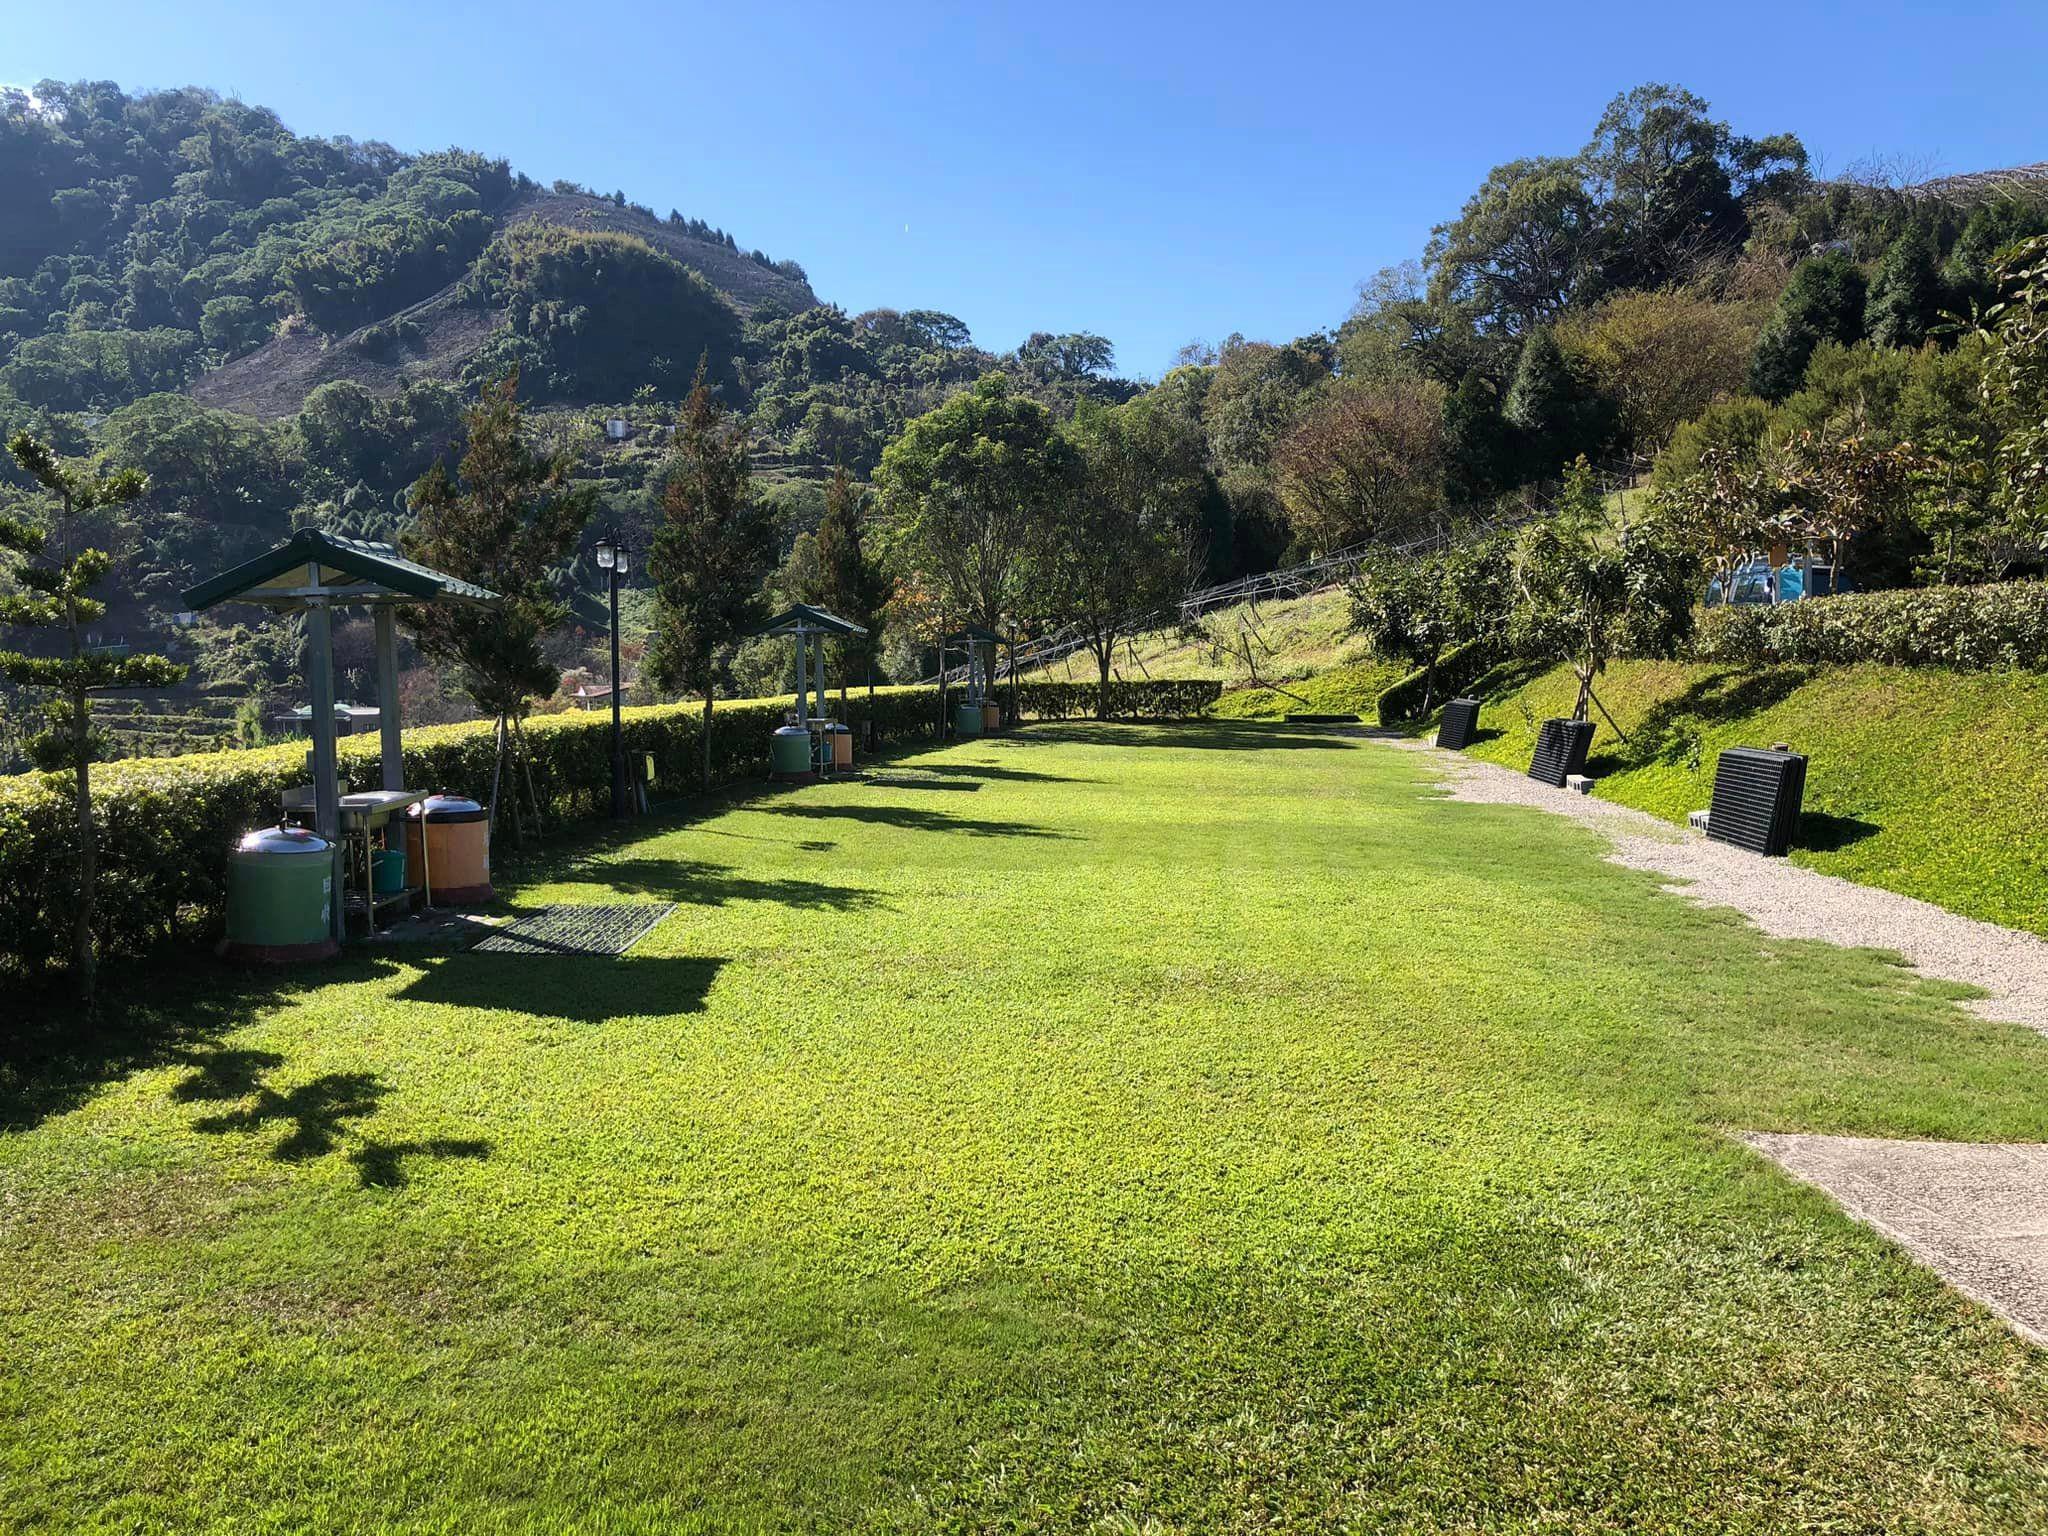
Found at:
[52, 576]
[1525, 246]
[506, 519]
[2016, 386]
[1418, 609]
[1824, 302]
[713, 546]
[972, 490]
[1127, 547]
[1584, 597]
[851, 580]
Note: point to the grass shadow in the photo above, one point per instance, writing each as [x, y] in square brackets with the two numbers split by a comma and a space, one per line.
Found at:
[911, 818]
[316, 1117]
[1820, 832]
[1196, 735]
[694, 883]
[585, 989]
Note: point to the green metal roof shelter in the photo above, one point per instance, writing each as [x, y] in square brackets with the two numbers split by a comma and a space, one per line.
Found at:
[313, 573]
[812, 627]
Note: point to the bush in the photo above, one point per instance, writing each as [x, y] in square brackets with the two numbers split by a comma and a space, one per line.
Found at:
[167, 823]
[1147, 699]
[1455, 670]
[1995, 626]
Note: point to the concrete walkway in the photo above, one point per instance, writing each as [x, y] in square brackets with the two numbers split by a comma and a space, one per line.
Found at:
[1976, 1214]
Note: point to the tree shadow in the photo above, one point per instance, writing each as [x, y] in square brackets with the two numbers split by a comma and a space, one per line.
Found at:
[316, 1117]
[912, 818]
[1204, 736]
[1820, 832]
[694, 883]
[973, 771]
[584, 989]
[53, 1057]
[917, 778]
[1670, 729]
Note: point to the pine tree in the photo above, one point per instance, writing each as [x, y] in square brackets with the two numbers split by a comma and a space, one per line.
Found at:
[715, 543]
[850, 583]
[1558, 413]
[1906, 299]
[52, 588]
[503, 520]
[1823, 302]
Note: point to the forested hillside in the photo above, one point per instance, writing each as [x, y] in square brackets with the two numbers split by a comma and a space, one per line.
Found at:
[281, 330]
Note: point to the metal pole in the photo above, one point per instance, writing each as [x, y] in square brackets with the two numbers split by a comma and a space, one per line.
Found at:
[618, 739]
[820, 665]
[803, 685]
[388, 725]
[326, 783]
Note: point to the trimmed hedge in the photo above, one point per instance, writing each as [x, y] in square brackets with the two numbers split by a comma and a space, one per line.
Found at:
[2001, 625]
[166, 823]
[1164, 698]
[1458, 668]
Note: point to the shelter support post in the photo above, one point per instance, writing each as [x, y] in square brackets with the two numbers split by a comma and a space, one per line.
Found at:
[803, 687]
[822, 709]
[388, 725]
[326, 784]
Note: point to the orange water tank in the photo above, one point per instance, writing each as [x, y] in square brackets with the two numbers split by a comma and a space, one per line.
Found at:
[458, 861]
[991, 717]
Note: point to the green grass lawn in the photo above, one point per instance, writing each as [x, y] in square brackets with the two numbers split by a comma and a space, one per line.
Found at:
[1929, 782]
[1114, 1129]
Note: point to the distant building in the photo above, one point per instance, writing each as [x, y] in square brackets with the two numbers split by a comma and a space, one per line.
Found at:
[591, 695]
[617, 429]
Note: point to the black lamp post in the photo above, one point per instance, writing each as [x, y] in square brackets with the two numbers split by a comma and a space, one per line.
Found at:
[612, 558]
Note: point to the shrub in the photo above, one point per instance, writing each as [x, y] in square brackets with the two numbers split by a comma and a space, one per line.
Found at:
[2000, 625]
[1455, 670]
[1129, 699]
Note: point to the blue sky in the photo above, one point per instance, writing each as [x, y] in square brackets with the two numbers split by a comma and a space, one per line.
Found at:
[1155, 173]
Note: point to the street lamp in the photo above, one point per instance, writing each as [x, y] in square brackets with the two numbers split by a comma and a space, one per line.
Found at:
[613, 558]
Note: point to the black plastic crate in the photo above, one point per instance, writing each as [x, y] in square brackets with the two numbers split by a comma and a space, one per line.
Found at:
[1561, 747]
[1757, 797]
[1460, 724]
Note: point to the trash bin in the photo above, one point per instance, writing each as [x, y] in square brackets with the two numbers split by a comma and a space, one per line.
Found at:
[789, 753]
[457, 856]
[842, 747]
[387, 871]
[992, 717]
[967, 720]
[280, 897]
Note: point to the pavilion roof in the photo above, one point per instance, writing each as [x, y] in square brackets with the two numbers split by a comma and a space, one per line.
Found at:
[342, 570]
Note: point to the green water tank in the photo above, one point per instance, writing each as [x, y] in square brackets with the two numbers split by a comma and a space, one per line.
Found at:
[280, 896]
[967, 720]
[789, 752]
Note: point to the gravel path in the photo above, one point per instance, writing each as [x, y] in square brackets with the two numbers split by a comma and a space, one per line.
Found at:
[1781, 898]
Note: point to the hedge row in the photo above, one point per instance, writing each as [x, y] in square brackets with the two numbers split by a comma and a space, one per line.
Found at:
[1164, 698]
[2002, 625]
[166, 823]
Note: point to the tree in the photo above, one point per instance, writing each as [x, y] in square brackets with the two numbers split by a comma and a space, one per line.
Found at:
[1481, 454]
[1365, 461]
[971, 490]
[1584, 597]
[1524, 247]
[2016, 385]
[851, 582]
[713, 546]
[1554, 405]
[1127, 547]
[1823, 302]
[504, 520]
[1661, 357]
[1418, 609]
[1907, 298]
[1674, 186]
[51, 591]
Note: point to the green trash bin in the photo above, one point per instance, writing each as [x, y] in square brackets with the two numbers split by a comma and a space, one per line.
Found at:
[967, 719]
[789, 753]
[280, 895]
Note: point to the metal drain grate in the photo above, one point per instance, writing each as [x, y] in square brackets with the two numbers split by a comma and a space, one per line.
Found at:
[578, 930]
